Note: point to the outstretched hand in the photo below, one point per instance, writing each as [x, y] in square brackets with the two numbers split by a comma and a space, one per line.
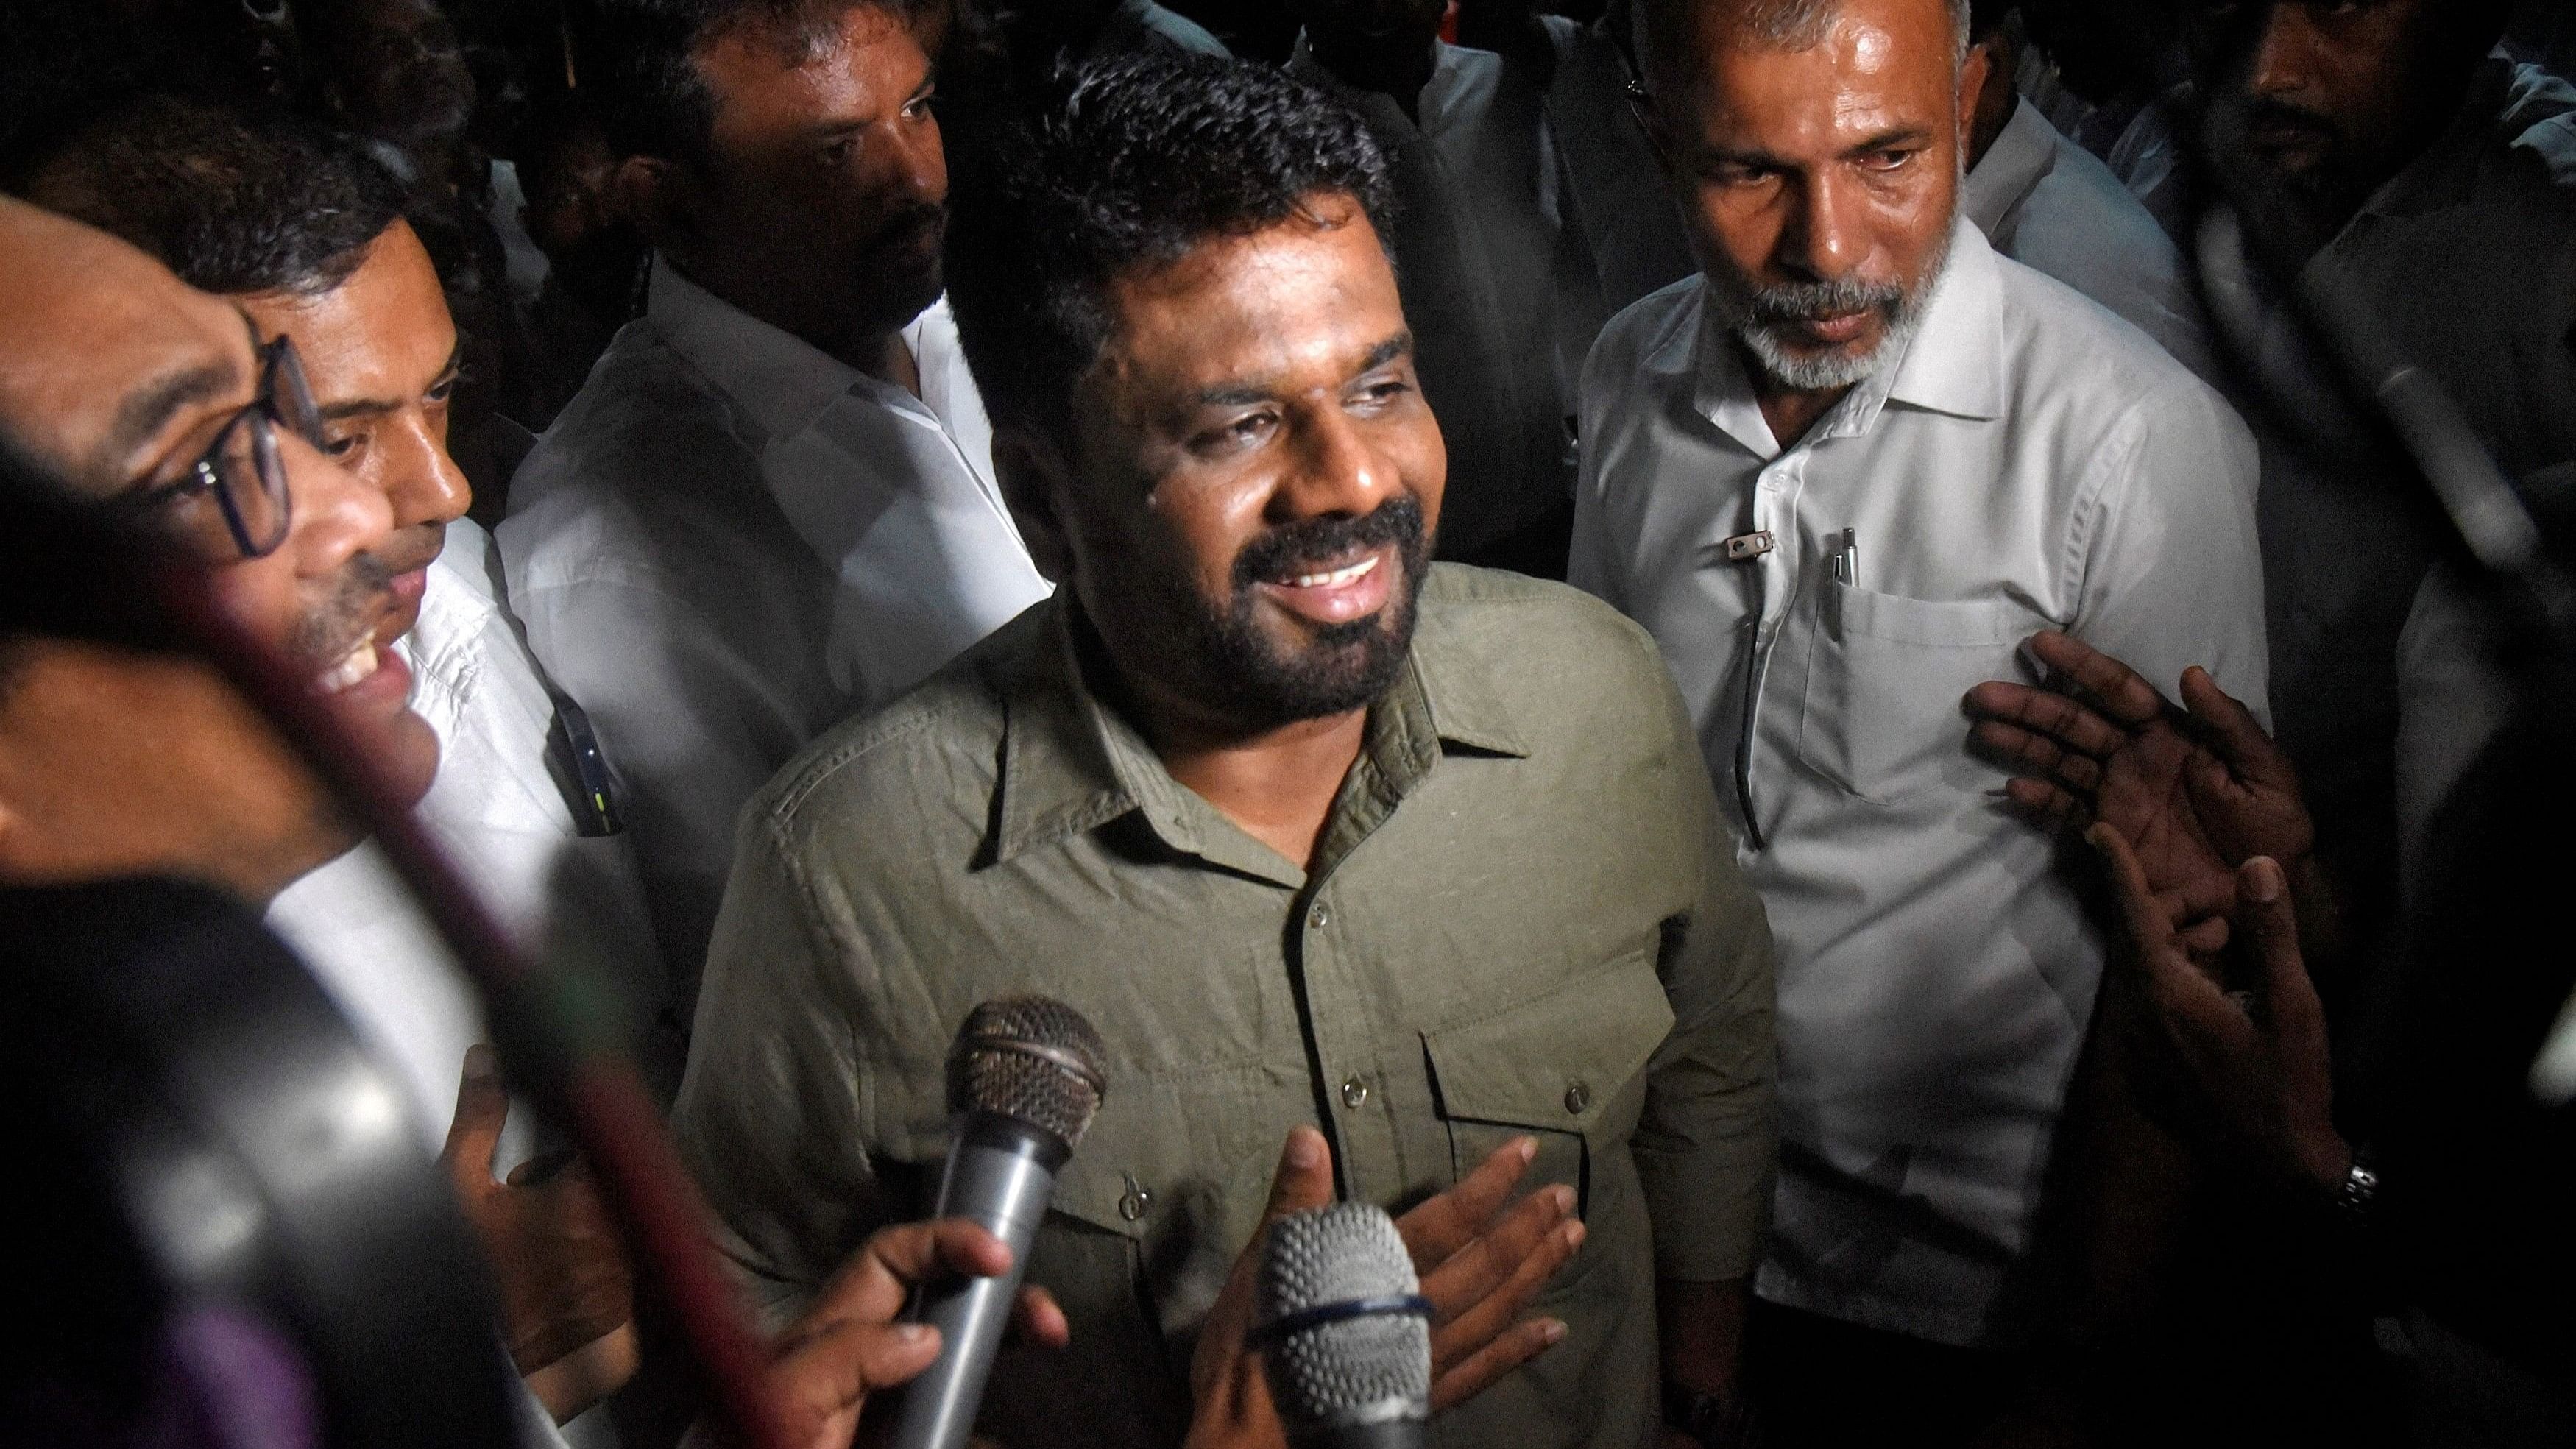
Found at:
[2256, 1059]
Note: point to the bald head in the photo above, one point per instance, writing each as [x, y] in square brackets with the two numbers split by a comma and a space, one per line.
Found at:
[109, 365]
[1669, 30]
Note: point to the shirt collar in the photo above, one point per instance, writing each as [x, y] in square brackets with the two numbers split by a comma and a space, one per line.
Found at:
[2024, 151]
[781, 380]
[1071, 763]
[1953, 364]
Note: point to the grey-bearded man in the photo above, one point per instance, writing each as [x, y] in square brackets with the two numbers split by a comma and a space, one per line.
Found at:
[1841, 476]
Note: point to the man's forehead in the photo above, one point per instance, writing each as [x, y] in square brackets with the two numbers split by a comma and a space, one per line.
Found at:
[1312, 291]
[100, 347]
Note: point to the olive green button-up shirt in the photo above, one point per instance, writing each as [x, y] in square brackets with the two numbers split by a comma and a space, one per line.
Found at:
[1524, 917]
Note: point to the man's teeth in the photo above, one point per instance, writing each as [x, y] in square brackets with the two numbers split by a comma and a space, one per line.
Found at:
[357, 665]
[1336, 577]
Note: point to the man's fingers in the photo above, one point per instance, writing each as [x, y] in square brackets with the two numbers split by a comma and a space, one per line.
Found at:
[2150, 929]
[1302, 1180]
[1489, 1315]
[871, 1287]
[834, 1370]
[2205, 937]
[1037, 1319]
[2046, 712]
[2233, 732]
[2124, 694]
[2211, 893]
[1440, 1226]
[1517, 1345]
[2290, 1005]
[1485, 1264]
[482, 1107]
[2041, 755]
[2048, 803]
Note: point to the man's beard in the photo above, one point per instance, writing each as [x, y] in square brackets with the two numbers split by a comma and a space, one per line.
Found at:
[1763, 316]
[332, 627]
[1342, 666]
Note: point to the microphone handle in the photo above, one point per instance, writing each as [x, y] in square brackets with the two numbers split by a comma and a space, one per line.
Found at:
[1000, 1173]
[1383, 1434]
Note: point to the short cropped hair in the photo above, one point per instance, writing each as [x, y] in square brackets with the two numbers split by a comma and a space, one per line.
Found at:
[232, 204]
[634, 59]
[1124, 166]
[1785, 24]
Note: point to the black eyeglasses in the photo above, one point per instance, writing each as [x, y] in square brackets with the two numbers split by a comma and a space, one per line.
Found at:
[242, 473]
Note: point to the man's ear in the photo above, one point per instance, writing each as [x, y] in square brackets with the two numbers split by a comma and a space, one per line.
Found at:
[1036, 480]
[646, 192]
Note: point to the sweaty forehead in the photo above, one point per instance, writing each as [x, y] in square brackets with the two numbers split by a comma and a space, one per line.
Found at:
[1301, 303]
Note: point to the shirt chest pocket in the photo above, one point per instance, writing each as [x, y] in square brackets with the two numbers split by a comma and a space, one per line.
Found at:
[1567, 1068]
[1880, 715]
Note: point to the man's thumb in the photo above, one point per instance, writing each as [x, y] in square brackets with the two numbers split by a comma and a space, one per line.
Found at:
[482, 1106]
[1304, 1180]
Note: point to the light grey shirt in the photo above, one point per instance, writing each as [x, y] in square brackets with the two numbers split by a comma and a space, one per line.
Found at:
[2028, 463]
[730, 542]
[1138, 25]
[2049, 204]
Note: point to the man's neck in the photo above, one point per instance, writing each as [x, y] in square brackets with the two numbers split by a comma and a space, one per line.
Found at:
[881, 355]
[1396, 71]
[1789, 411]
[1278, 784]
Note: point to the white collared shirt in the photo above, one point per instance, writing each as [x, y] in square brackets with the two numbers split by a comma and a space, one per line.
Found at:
[2028, 463]
[1498, 286]
[2049, 204]
[729, 542]
[501, 815]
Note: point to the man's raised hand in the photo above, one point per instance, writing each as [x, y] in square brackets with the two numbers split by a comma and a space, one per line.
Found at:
[1481, 1265]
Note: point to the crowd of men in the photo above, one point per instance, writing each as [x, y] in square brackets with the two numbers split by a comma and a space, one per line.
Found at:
[1764, 661]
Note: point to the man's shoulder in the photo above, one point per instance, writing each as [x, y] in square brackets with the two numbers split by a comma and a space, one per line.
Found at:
[645, 424]
[2064, 352]
[925, 761]
[1549, 649]
[1651, 334]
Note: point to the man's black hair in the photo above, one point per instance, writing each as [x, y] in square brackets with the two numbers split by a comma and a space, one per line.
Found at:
[633, 57]
[231, 203]
[1120, 166]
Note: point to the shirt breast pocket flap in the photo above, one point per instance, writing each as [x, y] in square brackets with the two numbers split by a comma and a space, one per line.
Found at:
[1567, 1068]
[1881, 714]
[1147, 1196]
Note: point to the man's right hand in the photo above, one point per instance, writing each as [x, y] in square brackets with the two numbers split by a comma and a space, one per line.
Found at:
[847, 1345]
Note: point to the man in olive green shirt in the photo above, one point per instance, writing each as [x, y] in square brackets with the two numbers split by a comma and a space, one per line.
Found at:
[1310, 830]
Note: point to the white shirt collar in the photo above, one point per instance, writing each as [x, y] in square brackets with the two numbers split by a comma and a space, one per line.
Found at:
[2024, 151]
[1954, 363]
[780, 379]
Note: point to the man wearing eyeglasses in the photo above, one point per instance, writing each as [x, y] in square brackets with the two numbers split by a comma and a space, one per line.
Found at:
[319, 252]
[162, 404]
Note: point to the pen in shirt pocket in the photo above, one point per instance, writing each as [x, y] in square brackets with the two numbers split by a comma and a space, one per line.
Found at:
[1846, 576]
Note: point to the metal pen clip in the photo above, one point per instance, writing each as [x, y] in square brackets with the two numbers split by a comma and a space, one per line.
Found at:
[1846, 565]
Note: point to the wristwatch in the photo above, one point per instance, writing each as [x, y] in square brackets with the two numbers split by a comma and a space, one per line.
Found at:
[1710, 1421]
[2359, 1188]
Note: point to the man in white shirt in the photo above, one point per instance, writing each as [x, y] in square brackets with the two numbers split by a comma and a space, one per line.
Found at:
[318, 253]
[772, 505]
[2051, 205]
[1841, 476]
[1498, 276]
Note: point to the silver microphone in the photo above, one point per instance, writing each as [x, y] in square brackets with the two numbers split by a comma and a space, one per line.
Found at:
[1024, 1078]
[1344, 1331]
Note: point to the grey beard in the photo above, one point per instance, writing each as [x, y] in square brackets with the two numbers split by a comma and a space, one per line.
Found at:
[1762, 316]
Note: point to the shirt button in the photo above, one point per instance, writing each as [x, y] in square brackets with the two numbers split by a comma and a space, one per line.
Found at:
[1132, 1205]
[1354, 1093]
[1577, 1097]
[1318, 918]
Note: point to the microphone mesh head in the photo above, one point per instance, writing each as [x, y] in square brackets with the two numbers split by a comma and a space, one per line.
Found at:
[1356, 1370]
[1030, 1058]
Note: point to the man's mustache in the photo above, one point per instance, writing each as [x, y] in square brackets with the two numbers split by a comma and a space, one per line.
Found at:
[1293, 548]
[1807, 301]
[912, 221]
[361, 594]
[2265, 112]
